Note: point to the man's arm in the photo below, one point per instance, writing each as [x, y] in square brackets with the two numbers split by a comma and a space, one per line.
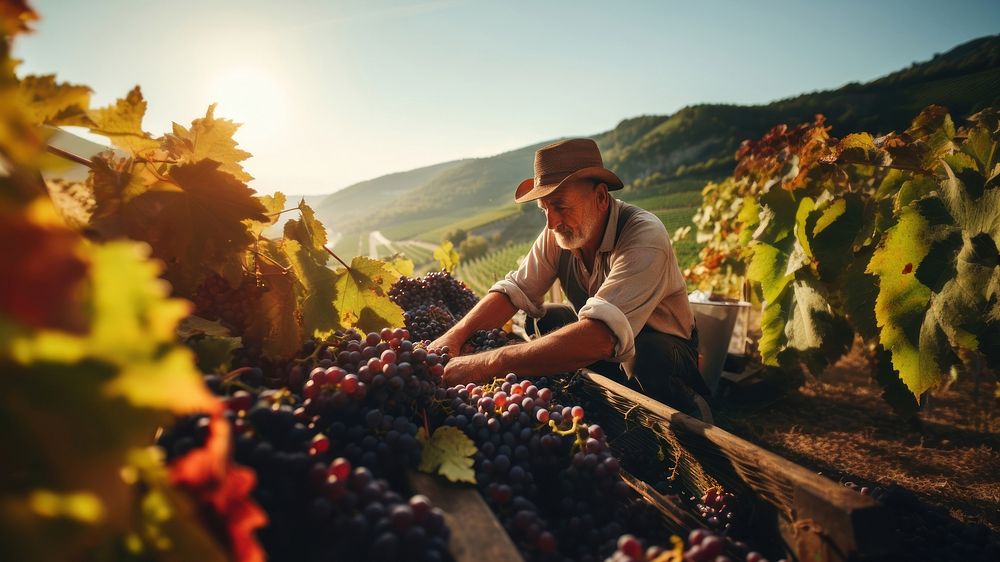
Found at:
[571, 347]
[493, 311]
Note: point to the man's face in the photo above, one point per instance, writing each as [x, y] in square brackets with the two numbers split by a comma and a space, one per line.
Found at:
[573, 213]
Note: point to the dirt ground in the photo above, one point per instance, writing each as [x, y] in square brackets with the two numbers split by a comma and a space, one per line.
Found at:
[838, 424]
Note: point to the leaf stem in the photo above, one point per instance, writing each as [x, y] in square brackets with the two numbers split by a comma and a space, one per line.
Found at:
[329, 251]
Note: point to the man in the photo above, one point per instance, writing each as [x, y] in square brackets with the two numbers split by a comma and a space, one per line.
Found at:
[617, 266]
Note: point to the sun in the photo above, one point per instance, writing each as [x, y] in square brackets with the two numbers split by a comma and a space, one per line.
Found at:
[249, 94]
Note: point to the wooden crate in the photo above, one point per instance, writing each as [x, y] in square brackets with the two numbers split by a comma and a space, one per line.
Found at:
[817, 520]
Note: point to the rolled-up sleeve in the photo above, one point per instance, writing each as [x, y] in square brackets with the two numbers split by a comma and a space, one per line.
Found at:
[597, 308]
[634, 288]
[526, 286]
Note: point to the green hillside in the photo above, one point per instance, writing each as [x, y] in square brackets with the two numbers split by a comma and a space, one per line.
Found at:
[661, 155]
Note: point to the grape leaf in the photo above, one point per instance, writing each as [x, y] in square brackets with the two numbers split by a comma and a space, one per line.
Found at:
[53, 412]
[317, 283]
[47, 102]
[831, 230]
[273, 204]
[893, 390]
[274, 324]
[196, 224]
[15, 17]
[449, 453]
[362, 299]
[935, 129]
[309, 232]
[121, 122]
[194, 326]
[772, 324]
[814, 334]
[208, 138]
[902, 302]
[446, 255]
[224, 489]
[44, 270]
[767, 267]
[402, 265]
[858, 292]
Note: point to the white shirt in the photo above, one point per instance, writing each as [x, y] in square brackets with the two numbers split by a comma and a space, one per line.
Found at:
[632, 284]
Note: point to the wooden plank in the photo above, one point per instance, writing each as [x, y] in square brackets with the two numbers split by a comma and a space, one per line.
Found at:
[823, 521]
[476, 535]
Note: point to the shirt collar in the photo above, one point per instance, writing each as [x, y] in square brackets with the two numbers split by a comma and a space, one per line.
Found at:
[608, 242]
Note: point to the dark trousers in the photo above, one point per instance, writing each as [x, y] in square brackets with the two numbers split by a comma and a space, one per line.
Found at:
[665, 367]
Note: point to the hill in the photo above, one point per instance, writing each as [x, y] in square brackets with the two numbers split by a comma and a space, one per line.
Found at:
[664, 154]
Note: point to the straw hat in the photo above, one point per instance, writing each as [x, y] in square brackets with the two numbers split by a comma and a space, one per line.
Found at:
[562, 162]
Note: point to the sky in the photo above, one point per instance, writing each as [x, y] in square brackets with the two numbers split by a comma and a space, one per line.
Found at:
[332, 92]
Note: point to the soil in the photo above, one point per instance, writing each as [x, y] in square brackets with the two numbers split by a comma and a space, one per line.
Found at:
[837, 424]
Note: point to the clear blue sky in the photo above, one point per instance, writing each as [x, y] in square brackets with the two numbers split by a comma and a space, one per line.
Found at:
[333, 92]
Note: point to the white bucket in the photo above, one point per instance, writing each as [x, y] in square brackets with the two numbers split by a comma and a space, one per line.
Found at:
[715, 322]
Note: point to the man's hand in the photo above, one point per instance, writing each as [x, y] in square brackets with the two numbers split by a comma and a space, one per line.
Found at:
[451, 340]
[462, 370]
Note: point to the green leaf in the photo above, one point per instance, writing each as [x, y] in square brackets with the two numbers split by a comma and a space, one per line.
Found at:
[449, 453]
[806, 205]
[214, 354]
[362, 299]
[318, 292]
[939, 265]
[980, 145]
[833, 228]
[860, 148]
[894, 391]
[402, 264]
[749, 218]
[902, 302]
[208, 138]
[446, 255]
[934, 127]
[274, 325]
[813, 333]
[121, 122]
[777, 216]
[858, 293]
[194, 326]
[772, 324]
[767, 267]
[309, 232]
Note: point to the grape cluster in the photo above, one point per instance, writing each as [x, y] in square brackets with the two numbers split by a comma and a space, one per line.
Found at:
[547, 474]
[702, 546]
[355, 405]
[362, 518]
[215, 299]
[483, 340]
[187, 433]
[437, 288]
[717, 509]
[428, 321]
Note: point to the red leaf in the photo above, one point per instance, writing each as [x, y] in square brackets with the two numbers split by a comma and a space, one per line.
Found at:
[42, 283]
[223, 489]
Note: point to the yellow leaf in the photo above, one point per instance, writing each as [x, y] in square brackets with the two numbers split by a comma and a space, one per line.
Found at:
[209, 138]
[448, 452]
[362, 298]
[121, 122]
[446, 255]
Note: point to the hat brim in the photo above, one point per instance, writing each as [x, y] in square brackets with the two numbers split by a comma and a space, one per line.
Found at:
[527, 191]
